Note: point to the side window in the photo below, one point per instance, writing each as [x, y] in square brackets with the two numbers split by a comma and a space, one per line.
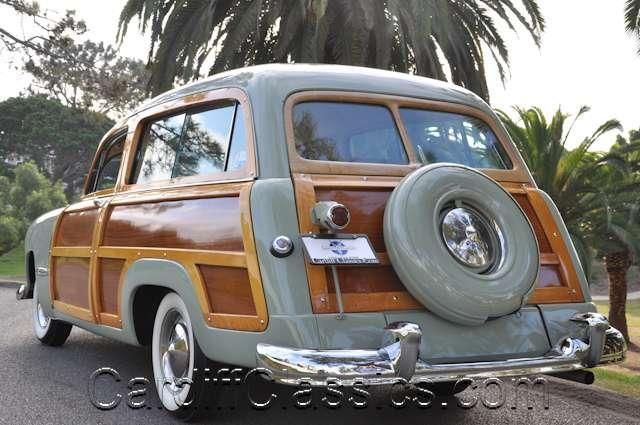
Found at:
[201, 142]
[157, 152]
[105, 174]
[205, 142]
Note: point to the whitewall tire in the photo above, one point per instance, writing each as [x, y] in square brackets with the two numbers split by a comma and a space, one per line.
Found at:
[178, 362]
[49, 331]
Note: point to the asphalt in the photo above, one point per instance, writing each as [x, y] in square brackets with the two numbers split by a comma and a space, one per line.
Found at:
[46, 385]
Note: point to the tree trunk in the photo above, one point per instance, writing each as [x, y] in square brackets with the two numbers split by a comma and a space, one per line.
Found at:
[617, 264]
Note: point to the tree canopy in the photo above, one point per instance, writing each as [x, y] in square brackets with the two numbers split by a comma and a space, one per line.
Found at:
[632, 19]
[60, 140]
[444, 39]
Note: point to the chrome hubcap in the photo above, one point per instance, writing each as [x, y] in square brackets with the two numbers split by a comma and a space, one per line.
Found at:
[470, 238]
[174, 350]
[43, 320]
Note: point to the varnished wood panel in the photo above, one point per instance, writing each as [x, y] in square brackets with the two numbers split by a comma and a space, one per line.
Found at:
[366, 207]
[76, 228]
[366, 280]
[543, 241]
[228, 290]
[366, 198]
[71, 281]
[203, 224]
[549, 276]
[109, 278]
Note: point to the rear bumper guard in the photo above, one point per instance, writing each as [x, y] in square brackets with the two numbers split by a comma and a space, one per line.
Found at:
[399, 358]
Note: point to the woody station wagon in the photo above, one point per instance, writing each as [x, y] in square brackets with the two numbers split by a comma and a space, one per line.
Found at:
[320, 222]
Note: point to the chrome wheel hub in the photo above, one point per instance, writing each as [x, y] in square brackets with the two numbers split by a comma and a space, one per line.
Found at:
[175, 350]
[471, 239]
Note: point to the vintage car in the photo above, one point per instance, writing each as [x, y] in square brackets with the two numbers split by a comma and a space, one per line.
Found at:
[319, 222]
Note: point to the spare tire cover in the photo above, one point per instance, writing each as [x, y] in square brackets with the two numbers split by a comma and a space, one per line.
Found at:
[447, 286]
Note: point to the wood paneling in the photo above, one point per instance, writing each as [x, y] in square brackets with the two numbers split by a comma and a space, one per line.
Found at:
[110, 272]
[228, 290]
[365, 280]
[377, 288]
[202, 224]
[549, 276]
[543, 241]
[76, 228]
[71, 277]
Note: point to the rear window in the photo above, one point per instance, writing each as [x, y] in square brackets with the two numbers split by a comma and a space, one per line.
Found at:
[448, 137]
[347, 132]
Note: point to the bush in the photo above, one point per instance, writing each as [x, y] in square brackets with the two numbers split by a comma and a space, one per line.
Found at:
[23, 199]
[10, 233]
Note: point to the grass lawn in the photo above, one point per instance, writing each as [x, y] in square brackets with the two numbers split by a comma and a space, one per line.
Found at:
[623, 378]
[12, 263]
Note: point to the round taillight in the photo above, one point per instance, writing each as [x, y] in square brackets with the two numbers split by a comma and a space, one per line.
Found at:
[339, 215]
[330, 215]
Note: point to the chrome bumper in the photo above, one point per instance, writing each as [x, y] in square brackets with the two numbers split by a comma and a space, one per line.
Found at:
[399, 358]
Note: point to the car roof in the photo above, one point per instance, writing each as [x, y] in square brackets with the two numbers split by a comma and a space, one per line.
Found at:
[277, 81]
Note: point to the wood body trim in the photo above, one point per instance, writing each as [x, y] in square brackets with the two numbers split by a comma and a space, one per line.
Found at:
[320, 288]
[190, 259]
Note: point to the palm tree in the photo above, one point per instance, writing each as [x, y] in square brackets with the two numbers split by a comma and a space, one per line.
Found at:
[632, 18]
[564, 174]
[436, 38]
[596, 193]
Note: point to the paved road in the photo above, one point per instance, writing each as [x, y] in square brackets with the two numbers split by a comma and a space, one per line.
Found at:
[49, 386]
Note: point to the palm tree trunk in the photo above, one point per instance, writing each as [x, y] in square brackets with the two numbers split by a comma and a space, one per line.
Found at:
[617, 264]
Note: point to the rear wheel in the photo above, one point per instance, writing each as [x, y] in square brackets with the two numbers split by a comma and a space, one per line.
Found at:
[178, 362]
[49, 331]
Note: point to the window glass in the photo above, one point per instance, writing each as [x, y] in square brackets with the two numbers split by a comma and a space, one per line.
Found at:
[238, 151]
[157, 153]
[108, 166]
[448, 137]
[348, 132]
[205, 141]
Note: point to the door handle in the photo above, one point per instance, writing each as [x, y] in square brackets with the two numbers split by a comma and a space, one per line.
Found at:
[99, 202]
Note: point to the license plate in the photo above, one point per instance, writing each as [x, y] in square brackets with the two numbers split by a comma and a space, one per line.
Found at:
[338, 249]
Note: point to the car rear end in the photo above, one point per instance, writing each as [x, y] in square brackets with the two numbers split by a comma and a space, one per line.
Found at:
[354, 148]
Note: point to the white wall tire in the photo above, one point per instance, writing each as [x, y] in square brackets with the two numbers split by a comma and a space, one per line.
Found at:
[49, 331]
[178, 362]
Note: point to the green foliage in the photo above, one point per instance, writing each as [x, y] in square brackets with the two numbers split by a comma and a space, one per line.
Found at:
[9, 233]
[60, 140]
[23, 199]
[596, 192]
[87, 76]
[632, 18]
[426, 37]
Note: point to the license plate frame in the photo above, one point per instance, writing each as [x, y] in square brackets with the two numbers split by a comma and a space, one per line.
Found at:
[335, 249]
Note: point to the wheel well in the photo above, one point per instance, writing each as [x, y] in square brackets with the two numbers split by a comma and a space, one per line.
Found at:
[145, 304]
[30, 267]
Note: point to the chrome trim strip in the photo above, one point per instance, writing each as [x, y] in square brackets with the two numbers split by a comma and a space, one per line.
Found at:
[399, 359]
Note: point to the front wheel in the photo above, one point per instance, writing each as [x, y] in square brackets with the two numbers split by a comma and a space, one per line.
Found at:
[49, 331]
[178, 363]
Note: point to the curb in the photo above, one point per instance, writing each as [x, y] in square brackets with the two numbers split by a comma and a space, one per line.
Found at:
[10, 284]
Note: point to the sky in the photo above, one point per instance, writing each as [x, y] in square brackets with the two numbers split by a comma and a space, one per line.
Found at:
[586, 58]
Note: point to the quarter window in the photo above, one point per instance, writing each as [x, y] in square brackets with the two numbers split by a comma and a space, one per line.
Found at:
[201, 142]
[105, 174]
